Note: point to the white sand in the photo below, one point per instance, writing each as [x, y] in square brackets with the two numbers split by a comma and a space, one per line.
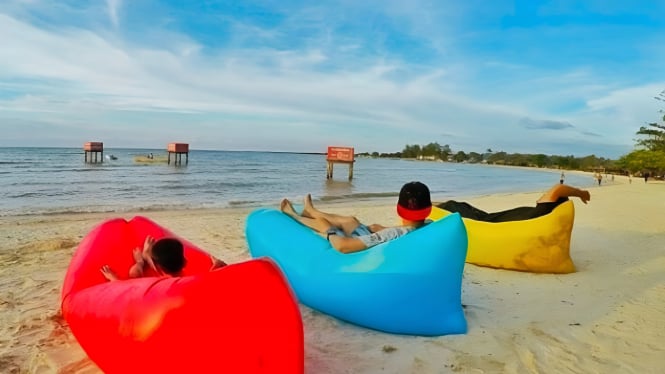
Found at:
[609, 317]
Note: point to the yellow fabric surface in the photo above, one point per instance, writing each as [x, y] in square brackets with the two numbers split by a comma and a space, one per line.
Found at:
[539, 245]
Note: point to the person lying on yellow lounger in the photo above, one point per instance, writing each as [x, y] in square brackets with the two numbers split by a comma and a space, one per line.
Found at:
[556, 195]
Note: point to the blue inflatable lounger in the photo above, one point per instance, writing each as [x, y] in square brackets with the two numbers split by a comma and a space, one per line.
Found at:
[410, 285]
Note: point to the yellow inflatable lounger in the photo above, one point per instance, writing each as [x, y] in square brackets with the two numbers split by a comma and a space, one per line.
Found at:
[538, 245]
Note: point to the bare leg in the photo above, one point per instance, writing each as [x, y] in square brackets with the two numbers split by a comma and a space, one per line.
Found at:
[563, 190]
[317, 224]
[346, 223]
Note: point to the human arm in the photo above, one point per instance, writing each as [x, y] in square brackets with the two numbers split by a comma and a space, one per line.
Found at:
[147, 252]
[136, 271]
[375, 227]
[564, 190]
[345, 244]
[358, 243]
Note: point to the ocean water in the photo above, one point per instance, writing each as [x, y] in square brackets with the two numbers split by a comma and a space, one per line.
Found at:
[57, 180]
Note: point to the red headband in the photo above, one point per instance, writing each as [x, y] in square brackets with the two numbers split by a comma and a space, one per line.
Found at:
[414, 215]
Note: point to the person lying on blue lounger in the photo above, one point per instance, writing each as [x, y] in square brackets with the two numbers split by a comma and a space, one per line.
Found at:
[346, 234]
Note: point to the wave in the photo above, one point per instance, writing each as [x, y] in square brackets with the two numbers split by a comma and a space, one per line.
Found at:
[18, 163]
[102, 209]
[360, 196]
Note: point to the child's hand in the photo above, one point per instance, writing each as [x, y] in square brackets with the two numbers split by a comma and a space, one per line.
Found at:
[147, 245]
[147, 251]
[108, 273]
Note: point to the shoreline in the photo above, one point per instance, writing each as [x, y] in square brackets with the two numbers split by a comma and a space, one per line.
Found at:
[518, 322]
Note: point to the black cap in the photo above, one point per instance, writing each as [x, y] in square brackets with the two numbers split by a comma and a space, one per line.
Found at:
[414, 203]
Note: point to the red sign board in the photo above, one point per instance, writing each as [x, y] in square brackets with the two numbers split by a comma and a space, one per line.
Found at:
[340, 154]
[93, 146]
[178, 147]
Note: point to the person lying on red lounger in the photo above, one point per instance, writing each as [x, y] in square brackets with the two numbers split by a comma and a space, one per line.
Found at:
[165, 256]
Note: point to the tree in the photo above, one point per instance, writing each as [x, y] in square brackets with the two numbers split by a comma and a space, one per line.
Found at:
[460, 156]
[411, 151]
[432, 150]
[474, 157]
[497, 158]
[540, 160]
[651, 156]
[655, 137]
[445, 152]
[642, 160]
[654, 133]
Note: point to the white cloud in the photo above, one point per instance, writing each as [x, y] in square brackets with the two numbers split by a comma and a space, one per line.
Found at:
[113, 8]
[65, 78]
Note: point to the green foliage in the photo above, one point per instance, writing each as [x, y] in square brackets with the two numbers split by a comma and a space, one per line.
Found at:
[650, 155]
[435, 151]
[540, 160]
[460, 156]
[474, 157]
[642, 160]
[653, 137]
[429, 151]
[411, 151]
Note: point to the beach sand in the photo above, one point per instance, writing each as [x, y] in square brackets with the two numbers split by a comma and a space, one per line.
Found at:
[608, 317]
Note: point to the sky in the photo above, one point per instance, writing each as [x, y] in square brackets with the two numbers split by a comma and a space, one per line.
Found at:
[553, 77]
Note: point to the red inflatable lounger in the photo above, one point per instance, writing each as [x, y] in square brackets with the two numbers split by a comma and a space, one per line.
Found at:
[242, 318]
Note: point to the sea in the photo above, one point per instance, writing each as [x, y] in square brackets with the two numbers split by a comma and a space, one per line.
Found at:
[46, 181]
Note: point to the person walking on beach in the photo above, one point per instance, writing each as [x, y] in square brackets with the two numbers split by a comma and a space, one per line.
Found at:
[165, 256]
[552, 198]
[346, 234]
[562, 178]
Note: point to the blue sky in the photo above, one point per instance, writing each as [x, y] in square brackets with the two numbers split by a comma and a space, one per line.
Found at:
[553, 77]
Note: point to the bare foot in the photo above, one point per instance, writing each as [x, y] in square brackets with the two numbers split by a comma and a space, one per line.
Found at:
[286, 207]
[108, 273]
[308, 206]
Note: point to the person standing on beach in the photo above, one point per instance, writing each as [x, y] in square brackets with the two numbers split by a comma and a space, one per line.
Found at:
[347, 235]
[561, 178]
[552, 198]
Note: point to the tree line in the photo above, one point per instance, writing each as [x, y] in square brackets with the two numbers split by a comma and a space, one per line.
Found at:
[649, 153]
[648, 156]
[436, 152]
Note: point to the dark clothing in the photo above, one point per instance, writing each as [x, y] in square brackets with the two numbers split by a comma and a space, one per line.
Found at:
[516, 214]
